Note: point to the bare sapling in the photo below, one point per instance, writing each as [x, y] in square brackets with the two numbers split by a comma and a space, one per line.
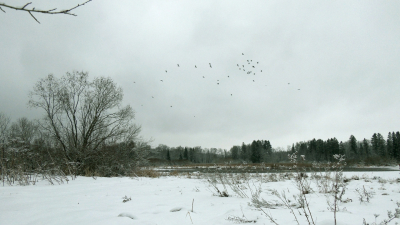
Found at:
[303, 185]
[364, 195]
[338, 186]
[390, 216]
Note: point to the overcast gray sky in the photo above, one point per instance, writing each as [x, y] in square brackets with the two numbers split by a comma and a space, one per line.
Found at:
[342, 55]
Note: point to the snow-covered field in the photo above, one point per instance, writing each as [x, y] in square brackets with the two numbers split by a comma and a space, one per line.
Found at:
[168, 200]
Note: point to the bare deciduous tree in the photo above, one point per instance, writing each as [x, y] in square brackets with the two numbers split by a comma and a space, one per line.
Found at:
[82, 115]
[24, 129]
[4, 122]
[25, 8]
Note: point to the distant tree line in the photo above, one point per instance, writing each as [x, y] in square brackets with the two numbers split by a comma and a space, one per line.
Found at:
[187, 154]
[256, 152]
[376, 150]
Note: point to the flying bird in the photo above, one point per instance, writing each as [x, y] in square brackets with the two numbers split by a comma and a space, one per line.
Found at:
[242, 53]
[288, 83]
[257, 62]
[298, 89]
[253, 80]
[166, 71]
[253, 67]
[203, 77]
[228, 76]
[218, 83]
[261, 71]
[237, 64]
[195, 66]
[152, 96]
[177, 64]
[210, 65]
[243, 65]
[161, 80]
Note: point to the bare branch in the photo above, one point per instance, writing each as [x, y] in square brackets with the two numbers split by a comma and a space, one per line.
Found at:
[26, 5]
[49, 11]
[34, 17]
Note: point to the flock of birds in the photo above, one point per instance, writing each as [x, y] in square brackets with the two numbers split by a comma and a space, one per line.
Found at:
[249, 67]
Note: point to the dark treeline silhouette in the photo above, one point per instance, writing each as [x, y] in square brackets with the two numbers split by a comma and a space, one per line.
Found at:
[183, 155]
[377, 150]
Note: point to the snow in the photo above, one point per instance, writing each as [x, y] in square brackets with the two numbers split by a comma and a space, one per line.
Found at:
[168, 200]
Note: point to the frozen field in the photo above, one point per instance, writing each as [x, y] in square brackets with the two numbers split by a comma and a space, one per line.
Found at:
[167, 200]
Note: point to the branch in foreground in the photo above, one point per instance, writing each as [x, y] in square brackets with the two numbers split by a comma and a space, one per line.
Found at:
[50, 11]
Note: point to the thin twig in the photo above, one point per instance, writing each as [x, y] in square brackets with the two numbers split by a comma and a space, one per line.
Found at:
[33, 17]
[49, 11]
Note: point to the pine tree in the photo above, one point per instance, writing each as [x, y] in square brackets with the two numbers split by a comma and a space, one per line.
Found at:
[389, 146]
[396, 145]
[191, 154]
[243, 152]
[320, 150]
[342, 149]
[366, 147]
[312, 149]
[180, 156]
[235, 152]
[374, 143]
[186, 154]
[168, 156]
[381, 145]
[353, 145]
[255, 152]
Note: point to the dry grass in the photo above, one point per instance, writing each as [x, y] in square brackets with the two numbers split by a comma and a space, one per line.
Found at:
[147, 172]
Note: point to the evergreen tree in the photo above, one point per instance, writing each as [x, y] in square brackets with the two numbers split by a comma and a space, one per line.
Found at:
[374, 143]
[191, 154]
[303, 149]
[396, 145]
[381, 145]
[255, 152]
[389, 145]
[243, 152]
[235, 152]
[353, 145]
[266, 151]
[180, 156]
[342, 149]
[168, 156]
[312, 149]
[366, 147]
[186, 154]
[332, 148]
[320, 149]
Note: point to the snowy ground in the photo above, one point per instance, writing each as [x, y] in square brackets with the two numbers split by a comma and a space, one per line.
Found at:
[167, 200]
